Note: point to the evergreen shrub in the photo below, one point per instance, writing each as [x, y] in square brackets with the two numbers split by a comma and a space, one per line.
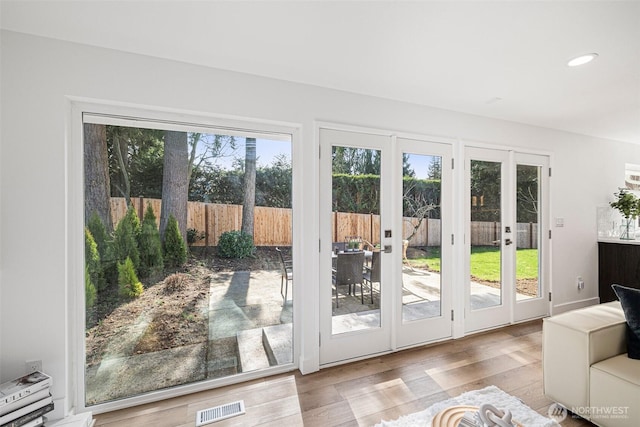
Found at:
[106, 251]
[132, 217]
[89, 289]
[128, 283]
[92, 261]
[175, 250]
[235, 244]
[125, 242]
[99, 233]
[150, 245]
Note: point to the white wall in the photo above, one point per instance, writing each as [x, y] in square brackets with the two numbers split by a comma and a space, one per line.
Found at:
[37, 75]
[1, 117]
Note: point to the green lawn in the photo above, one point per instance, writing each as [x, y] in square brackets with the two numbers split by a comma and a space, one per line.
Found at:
[485, 262]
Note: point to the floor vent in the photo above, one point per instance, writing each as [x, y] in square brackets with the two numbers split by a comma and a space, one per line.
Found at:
[219, 413]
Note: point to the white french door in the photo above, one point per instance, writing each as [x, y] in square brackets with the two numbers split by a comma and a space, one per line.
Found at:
[390, 197]
[506, 246]
[533, 240]
[354, 217]
[424, 290]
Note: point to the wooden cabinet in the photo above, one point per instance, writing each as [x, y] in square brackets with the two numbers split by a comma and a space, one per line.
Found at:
[618, 263]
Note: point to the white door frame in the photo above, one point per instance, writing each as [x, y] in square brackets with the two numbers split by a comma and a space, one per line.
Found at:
[392, 333]
[539, 306]
[510, 310]
[438, 327]
[336, 348]
[484, 318]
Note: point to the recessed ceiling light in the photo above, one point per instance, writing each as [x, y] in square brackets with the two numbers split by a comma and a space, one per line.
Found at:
[582, 59]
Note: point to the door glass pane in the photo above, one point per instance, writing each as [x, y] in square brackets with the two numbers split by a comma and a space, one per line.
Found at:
[421, 255]
[485, 259]
[528, 232]
[180, 286]
[355, 255]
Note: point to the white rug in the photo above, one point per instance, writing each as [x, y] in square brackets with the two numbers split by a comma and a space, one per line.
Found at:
[492, 394]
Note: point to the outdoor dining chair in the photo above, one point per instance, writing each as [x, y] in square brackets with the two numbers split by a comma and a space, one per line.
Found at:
[339, 247]
[372, 273]
[348, 272]
[286, 275]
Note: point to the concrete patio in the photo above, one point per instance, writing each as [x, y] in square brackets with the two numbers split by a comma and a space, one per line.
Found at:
[249, 328]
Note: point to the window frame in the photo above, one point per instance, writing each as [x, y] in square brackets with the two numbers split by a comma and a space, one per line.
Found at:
[107, 112]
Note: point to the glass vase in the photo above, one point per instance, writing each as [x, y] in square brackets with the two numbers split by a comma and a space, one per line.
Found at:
[628, 229]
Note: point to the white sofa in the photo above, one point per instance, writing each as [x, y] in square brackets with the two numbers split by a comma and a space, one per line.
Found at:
[586, 368]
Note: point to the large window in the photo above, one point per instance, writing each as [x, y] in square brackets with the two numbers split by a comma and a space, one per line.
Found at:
[188, 248]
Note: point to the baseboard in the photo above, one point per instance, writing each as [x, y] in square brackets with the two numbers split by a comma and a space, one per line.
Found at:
[573, 305]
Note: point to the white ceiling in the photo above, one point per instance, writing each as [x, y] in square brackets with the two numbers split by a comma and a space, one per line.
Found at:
[503, 59]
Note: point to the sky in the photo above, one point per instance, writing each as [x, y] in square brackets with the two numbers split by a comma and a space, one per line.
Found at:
[420, 164]
[266, 152]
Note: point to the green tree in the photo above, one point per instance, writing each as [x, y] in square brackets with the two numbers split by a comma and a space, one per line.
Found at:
[407, 169]
[106, 250]
[90, 293]
[132, 217]
[175, 250]
[92, 261]
[485, 190]
[206, 149]
[150, 245]
[527, 180]
[435, 168]
[125, 242]
[99, 233]
[216, 185]
[129, 285]
[135, 161]
[355, 161]
[273, 184]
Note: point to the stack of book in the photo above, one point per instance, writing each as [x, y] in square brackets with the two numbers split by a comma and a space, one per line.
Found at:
[25, 401]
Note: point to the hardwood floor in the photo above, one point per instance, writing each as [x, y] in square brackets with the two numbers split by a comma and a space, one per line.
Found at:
[366, 392]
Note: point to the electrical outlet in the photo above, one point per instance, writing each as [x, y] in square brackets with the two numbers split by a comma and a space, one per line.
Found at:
[32, 366]
[580, 283]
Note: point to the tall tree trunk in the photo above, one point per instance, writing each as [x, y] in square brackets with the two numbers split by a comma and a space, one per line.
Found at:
[96, 175]
[193, 149]
[175, 185]
[121, 150]
[249, 186]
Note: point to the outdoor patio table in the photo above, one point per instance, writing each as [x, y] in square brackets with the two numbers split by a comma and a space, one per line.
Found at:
[367, 254]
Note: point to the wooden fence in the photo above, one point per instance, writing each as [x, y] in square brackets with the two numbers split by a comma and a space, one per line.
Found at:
[429, 231]
[273, 226]
[490, 233]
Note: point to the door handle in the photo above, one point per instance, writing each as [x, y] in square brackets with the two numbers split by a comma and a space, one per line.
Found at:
[508, 242]
[387, 249]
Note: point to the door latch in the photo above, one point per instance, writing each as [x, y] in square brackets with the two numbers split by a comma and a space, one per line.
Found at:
[508, 242]
[387, 249]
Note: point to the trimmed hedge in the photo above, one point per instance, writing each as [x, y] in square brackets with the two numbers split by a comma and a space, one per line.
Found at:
[235, 244]
[361, 193]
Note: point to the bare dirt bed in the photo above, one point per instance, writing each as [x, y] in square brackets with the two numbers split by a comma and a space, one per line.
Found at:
[176, 303]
